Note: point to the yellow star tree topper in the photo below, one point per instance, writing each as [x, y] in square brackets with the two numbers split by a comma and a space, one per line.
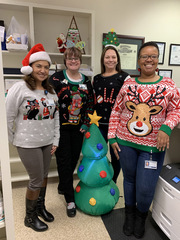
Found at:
[94, 118]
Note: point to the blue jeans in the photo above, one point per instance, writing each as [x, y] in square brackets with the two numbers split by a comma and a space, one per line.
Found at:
[139, 182]
[115, 163]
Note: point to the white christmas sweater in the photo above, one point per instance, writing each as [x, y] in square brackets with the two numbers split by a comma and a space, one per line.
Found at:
[141, 110]
[32, 117]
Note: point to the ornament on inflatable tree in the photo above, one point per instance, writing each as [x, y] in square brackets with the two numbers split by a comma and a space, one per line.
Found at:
[96, 193]
[111, 39]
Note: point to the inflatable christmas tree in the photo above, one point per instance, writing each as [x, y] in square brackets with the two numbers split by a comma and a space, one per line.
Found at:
[96, 192]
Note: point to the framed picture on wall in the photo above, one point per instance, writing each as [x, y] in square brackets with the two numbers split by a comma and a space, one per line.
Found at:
[174, 55]
[161, 46]
[128, 50]
[165, 73]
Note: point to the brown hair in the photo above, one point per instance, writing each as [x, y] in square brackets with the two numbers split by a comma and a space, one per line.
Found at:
[73, 51]
[118, 66]
[31, 84]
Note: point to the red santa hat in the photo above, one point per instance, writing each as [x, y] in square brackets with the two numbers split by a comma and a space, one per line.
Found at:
[37, 53]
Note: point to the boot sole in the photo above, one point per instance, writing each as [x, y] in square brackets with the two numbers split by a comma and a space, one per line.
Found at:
[138, 236]
[127, 233]
[35, 229]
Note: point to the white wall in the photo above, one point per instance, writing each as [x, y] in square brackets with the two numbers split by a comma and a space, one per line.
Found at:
[156, 20]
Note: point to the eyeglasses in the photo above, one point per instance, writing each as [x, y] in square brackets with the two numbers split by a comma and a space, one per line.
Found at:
[71, 59]
[145, 57]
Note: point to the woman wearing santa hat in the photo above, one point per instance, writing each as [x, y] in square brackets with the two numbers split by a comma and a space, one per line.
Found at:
[33, 127]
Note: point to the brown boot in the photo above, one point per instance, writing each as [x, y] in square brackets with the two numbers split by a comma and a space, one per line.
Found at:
[31, 220]
[41, 209]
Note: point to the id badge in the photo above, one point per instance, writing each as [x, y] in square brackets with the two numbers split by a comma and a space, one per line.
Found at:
[83, 86]
[150, 164]
[50, 102]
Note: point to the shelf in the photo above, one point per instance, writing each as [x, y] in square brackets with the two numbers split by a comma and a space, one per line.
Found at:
[33, 16]
[3, 233]
[50, 16]
[18, 172]
[13, 75]
[23, 176]
[4, 52]
[61, 55]
[15, 160]
[9, 53]
[18, 160]
[2, 224]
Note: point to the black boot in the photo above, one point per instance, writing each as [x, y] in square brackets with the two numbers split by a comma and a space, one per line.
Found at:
[128, 227]
[31, 219]
[139, 227]
[41, 209]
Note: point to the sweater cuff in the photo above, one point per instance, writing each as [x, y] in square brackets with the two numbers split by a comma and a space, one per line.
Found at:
[84, 127]
[112, 140]
[55, 142]
[166, 129]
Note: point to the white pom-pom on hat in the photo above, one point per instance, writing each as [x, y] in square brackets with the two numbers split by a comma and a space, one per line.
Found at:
[26, 70]
[37, 53]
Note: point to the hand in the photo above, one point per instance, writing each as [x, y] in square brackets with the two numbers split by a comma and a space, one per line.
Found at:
[53, 149]
[82, 130]
[116, 149]
[162, 141]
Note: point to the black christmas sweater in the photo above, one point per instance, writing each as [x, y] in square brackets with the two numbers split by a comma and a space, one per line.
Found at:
[106, 90]
[75, 100]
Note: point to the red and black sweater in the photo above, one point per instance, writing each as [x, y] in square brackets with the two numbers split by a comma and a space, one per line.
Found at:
[75, 100]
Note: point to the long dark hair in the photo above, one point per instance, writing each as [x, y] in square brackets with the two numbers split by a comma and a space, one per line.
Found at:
[31, 84]
[118, 66]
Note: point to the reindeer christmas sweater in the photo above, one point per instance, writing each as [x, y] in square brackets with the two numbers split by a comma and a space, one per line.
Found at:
[141, 110]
